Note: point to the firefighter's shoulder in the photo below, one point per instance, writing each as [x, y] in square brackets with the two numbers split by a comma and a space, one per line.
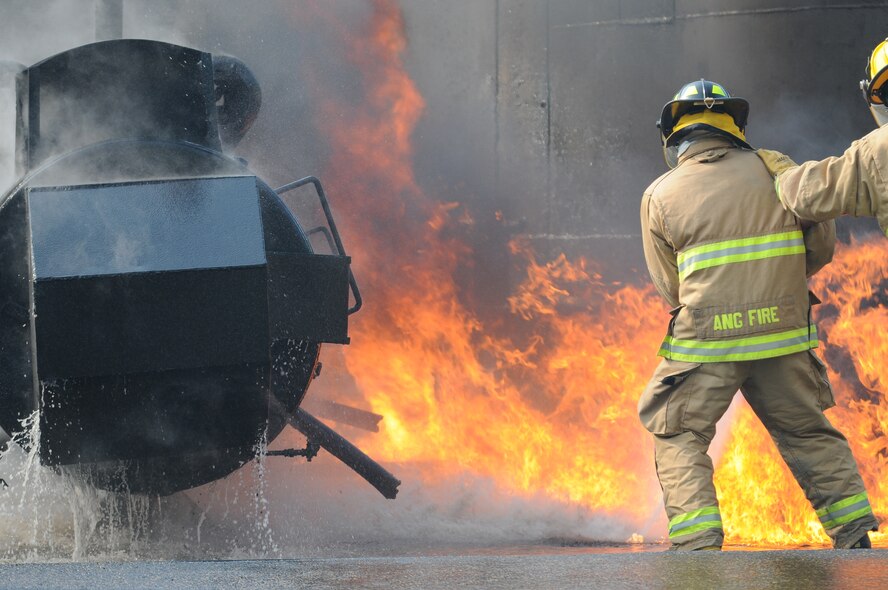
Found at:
[876, 139]
[654, 188]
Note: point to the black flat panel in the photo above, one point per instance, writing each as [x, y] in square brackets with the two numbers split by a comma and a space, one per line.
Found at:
[119, 324]
[146, 226]
[167, 414]
[308, 297]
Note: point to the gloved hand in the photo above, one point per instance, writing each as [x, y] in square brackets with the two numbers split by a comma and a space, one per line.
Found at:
[775, 162]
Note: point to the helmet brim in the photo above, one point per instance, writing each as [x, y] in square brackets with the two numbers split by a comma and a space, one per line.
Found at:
[736, 107]
[876, 84]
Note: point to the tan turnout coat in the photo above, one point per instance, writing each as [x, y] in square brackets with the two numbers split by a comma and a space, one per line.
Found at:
[729, 259]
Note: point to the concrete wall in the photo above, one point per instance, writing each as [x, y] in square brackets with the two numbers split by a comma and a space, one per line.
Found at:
[540, 113]
[555, 101]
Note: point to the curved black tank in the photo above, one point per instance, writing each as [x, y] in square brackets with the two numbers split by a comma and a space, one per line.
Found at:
[159, 304]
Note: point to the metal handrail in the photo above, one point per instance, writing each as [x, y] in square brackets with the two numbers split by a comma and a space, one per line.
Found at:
[325, 205]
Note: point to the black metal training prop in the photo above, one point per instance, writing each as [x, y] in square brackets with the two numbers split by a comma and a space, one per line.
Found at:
[156, 297]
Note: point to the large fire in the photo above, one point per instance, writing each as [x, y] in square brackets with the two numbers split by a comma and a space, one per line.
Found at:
[548, 406]
[760, 500]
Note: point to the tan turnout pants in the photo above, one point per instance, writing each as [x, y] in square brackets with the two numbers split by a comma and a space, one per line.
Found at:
[680, 407]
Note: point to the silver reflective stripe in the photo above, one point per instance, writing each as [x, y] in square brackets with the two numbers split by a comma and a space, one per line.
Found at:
[735, 349]
[739, 250]
[689, 523]
[834, 514]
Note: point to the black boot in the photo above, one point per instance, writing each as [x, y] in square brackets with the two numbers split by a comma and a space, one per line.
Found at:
[862, 543]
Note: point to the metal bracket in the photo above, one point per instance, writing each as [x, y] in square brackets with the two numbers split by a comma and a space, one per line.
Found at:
[332, 235]
[309, 452]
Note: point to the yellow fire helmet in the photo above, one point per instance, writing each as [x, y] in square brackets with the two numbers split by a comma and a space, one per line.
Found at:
[702, 105]
[875, 89]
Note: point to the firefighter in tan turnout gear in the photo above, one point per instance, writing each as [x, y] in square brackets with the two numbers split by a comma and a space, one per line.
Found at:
[732, 263]
[855, 183]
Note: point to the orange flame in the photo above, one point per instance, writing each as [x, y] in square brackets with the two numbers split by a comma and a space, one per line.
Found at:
[552, 411]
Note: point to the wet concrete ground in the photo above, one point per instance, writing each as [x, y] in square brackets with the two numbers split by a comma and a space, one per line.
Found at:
[707, 570]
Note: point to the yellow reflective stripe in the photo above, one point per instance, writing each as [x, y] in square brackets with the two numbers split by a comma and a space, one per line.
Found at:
[787, 243]
[714, 524]
[692, 515]
[747, 257]
[737, 356]
[736, 243]
[741, 349]
[743, 341]
[848, 518]
[694, 521]
[842, 504]
[716, 89]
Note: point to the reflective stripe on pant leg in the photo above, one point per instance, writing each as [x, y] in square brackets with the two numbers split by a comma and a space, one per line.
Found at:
[694, 521]
[845, 511]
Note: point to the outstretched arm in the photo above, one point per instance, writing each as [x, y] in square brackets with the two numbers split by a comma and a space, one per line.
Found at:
[851, 184]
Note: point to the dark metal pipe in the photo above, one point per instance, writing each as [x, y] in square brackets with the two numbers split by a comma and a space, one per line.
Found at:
[319, 433]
